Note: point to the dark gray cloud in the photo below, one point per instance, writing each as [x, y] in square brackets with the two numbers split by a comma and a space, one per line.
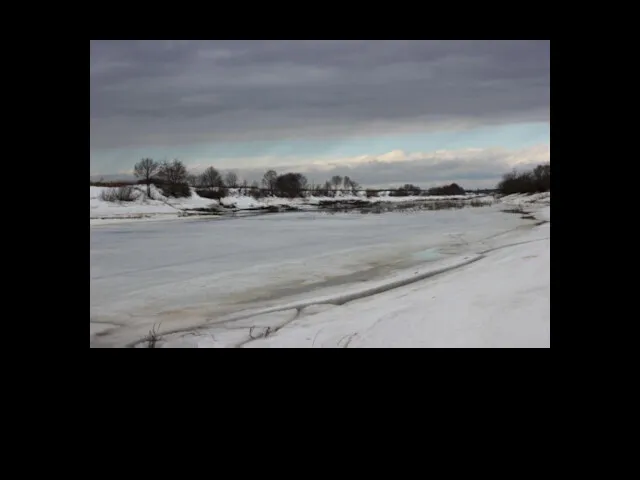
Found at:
[147, 93]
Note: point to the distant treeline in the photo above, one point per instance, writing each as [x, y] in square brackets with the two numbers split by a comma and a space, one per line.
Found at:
[174, 180]
[531, 181]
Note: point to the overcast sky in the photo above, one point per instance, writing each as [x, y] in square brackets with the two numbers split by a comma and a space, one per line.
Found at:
[383, 112]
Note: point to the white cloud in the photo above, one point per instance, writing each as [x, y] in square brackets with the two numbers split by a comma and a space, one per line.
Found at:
[470, 167]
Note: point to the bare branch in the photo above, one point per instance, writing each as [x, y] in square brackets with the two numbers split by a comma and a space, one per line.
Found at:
[231, 179]
[145, 169]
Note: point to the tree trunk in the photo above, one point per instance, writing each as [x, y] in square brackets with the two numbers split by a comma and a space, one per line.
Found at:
[148, 189]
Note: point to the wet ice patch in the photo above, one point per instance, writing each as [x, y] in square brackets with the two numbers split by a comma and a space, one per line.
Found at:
[428, 255]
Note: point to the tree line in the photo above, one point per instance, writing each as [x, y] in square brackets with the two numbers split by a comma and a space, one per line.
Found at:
[531, 181]
[174, 179]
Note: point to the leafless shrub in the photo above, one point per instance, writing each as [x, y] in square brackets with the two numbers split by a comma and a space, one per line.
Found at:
[256, 192]
[216, 194]
[176, 190]
[108, 195]
[231, 179]
[118, 194]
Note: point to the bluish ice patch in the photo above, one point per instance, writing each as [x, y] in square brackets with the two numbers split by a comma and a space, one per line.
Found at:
[428, 255]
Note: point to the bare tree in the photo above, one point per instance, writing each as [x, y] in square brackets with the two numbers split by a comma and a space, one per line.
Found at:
[327, 189]
[318, 190]
[244, 189]
[173, 172]
[351, 185]
[192, 180]
[255, 191]
[211, 178]
[304, 183]
[174, 177]
[231, 179]
[269, 180]
[336, 181]
[145, 169]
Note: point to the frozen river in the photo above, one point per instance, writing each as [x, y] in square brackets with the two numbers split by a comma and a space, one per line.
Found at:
[183, 273]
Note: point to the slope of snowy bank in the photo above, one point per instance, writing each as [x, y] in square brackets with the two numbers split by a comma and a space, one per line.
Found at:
[161, 207]
[536, 200]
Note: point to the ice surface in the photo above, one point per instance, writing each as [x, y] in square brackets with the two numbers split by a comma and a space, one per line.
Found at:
[186, 273]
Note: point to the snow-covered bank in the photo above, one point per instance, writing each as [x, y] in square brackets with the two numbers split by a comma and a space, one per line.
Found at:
[141, 207]
[159, 207]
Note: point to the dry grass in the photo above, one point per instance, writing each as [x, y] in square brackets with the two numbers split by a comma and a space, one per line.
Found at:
[153, 337]
[478, 203]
